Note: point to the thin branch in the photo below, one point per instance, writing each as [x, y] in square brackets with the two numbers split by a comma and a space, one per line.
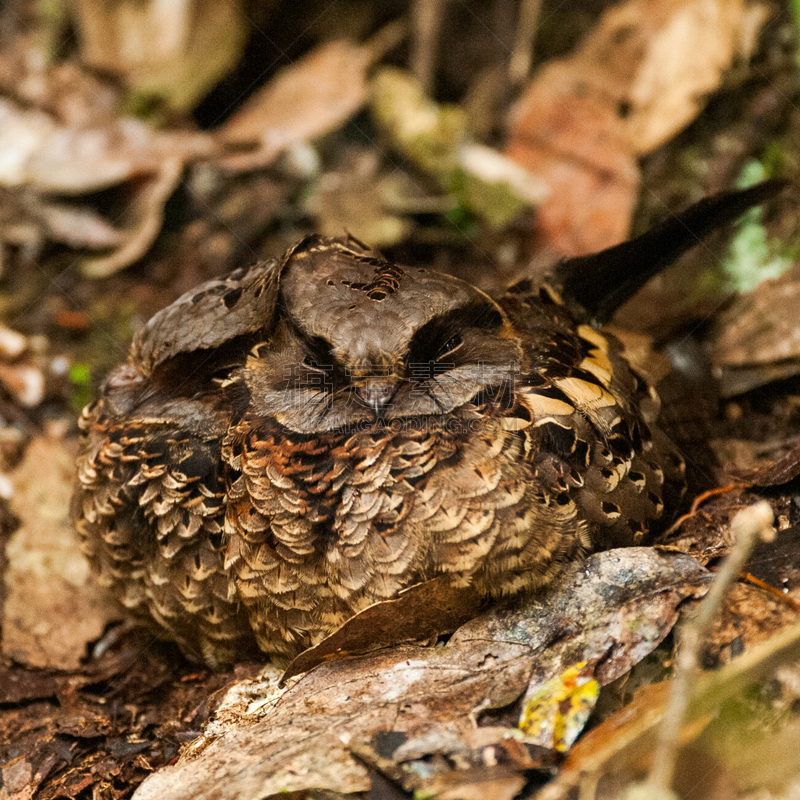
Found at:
[747, 526]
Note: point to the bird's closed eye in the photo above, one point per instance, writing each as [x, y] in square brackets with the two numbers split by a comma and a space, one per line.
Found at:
[311, 364]
[450, 346]
[319, 355]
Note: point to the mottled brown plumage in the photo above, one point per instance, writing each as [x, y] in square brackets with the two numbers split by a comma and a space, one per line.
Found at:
[299, 440]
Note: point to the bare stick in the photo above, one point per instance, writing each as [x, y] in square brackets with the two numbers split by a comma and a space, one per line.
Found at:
[426, 22]
[519, 66]
[747, 526]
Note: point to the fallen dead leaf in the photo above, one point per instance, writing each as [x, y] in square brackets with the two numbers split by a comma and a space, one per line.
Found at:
[302, 742]
[42, 156]
[143, 217]
[52, 608]
[309, 98]
[756, 340]
[110, 722]
[177, 51]
[414, 705]
[775, 473]
[687, 46]
[638, 79]
[420, 613]
[40, 153]
[74, 224]
[574, 141]
[609, 611]
[478, 783]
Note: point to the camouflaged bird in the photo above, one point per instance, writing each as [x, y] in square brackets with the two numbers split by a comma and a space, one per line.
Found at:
[298, 440]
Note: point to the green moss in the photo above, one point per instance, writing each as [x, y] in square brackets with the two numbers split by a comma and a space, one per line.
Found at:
[752, 257]
[80, 378]
[435, 137]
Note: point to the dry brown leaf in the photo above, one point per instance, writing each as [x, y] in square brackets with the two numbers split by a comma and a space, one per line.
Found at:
[50, 146]
[27, 220]
[572, 137]
[687, 46]
[420, 613]
[64, 136]
[760, 327]
[756, 340]
[143, 217]
[610, 611]
[478, 783]
[177, 51]
[309, 98]
[303, 742]
[52, 608]
[76, 225]
[42, 154]
[640, 77]
[418, 705]
[773, 473]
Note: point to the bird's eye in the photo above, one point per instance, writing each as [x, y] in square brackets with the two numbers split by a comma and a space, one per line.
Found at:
[319, 355]
[450, 346]
[311, 364]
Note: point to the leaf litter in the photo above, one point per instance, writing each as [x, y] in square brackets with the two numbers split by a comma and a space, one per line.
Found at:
[392, 700]
[607, 612]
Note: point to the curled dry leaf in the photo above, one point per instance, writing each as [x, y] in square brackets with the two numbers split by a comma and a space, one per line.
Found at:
[756, 340]
[177, 51]
[416, 705]
[309, 98]
[420, 613]
[45, 156]
[143, 217]
[638, 79]
[40, 153]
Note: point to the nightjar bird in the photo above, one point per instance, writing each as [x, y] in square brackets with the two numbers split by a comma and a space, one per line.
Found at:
[298, 440]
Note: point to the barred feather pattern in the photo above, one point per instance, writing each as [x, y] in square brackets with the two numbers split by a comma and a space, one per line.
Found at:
[351, 429]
